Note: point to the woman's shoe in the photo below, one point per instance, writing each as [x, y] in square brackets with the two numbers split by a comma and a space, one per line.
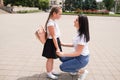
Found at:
[73, 73]
[83, 76]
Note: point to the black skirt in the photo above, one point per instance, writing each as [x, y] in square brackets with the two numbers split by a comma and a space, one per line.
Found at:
[49, 50]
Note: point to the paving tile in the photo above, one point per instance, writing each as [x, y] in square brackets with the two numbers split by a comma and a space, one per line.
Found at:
[21, 54]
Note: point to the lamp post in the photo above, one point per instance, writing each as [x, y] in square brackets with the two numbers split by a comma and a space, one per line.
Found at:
[82, 6]
[117, 2]
[115, 6]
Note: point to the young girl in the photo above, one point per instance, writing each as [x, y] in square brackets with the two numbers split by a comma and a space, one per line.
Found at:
[74, 61]
[53, 42]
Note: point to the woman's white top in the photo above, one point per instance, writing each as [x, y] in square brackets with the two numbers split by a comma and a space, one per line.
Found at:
[81, 41]
[56, 28]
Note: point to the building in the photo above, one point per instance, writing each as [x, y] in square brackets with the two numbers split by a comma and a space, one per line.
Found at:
[56, 3]
[117, 6]
[1, 3]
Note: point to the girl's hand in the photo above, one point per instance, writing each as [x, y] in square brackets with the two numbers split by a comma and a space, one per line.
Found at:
[58, 50]
[60, 54]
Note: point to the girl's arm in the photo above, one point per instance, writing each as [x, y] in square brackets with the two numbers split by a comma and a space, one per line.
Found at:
[66, 45]
[77, 52]
[52, 33]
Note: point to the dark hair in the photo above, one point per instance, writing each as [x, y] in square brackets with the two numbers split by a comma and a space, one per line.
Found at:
[84, 27]
[54, 9]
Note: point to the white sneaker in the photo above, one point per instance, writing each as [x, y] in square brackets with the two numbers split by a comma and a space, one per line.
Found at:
[83, 76]
[55, 73]
[73, 73]
[51, 76]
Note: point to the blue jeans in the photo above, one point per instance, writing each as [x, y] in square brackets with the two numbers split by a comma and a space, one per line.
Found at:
[73, 64]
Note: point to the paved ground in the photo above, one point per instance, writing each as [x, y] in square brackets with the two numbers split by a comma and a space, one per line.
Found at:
[20, 52]
[3, 12]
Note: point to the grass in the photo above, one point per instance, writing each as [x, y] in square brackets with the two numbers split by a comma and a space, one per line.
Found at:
[109, 15]
[28, 11]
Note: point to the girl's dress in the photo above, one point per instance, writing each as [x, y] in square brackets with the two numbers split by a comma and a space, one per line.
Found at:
[49, 50]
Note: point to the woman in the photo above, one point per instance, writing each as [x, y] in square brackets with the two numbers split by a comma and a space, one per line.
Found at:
[73, 62]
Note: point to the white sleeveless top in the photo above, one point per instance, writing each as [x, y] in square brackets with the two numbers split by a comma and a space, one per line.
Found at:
[56, 28]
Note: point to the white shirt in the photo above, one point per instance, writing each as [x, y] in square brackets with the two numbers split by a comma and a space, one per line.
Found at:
[81, 41]
[56, 28]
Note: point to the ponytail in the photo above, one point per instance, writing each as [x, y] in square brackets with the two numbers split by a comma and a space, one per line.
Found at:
[54, 9]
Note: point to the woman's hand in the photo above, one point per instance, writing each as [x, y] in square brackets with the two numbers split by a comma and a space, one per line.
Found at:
[66, 45]
[60, 54]
[62, 44]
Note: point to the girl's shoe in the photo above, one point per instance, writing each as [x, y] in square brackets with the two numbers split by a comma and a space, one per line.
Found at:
[55, 73]
[51, 76]
[83, 76]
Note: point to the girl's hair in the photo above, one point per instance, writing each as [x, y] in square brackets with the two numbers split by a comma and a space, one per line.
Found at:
[84, 27]
[54, 9]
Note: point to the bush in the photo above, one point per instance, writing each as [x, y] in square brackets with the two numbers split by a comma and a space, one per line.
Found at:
[95, 12]
[42, 4]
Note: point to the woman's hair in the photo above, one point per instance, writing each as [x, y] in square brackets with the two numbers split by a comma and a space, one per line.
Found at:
[54, 9]
[83, 27]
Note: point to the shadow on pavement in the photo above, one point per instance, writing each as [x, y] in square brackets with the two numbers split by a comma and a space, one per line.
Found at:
[42, 76]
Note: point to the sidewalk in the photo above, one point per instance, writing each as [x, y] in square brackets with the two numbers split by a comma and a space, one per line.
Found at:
[3, 12]
[20, 51]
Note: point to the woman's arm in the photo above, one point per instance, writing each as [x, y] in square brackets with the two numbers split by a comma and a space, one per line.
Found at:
[52, 33]
[77, 52]
[66, 45]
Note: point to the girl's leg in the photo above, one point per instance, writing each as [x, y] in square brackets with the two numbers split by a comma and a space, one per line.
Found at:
[49, 68]
[49, 65]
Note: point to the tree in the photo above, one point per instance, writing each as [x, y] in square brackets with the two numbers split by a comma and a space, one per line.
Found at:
[108, 4]
[87, 5]
[93, 5]
[73, 4]
[100, 5]
[68, 5]
[43, 4]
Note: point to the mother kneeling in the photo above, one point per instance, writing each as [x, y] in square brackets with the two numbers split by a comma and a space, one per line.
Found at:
[73, 62]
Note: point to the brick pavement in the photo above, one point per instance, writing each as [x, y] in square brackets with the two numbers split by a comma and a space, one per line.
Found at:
[3, 12]
[20, 52]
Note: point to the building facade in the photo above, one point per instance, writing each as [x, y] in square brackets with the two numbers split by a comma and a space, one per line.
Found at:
[1, 3]
[117, 6]
[56, 3]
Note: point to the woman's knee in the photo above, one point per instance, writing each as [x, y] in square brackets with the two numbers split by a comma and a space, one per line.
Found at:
[62, 68]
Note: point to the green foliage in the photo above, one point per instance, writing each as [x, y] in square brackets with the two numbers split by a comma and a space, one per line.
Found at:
[87, 4]
[108, 4]
[30, 11]
[90, 5]
[94, 5]
[80, 4]
[100, 5]
[42, 4]
[68, 5]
